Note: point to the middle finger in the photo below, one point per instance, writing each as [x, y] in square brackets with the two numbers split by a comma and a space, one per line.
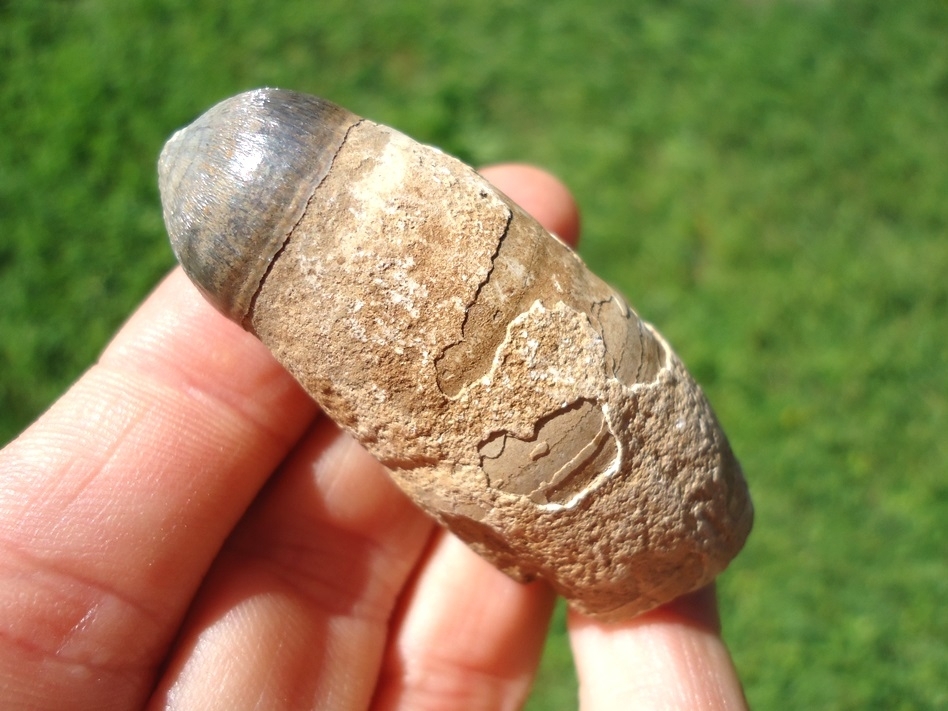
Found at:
[295, 612]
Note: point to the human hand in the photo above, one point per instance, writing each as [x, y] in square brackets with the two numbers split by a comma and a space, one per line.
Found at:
[183, 529]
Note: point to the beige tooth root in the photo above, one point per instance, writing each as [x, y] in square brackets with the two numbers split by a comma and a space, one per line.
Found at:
[512, 393]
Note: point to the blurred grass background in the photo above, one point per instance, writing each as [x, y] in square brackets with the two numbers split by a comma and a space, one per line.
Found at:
[766, 180]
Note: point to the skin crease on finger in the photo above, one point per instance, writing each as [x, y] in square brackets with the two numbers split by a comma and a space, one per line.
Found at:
[118, 500]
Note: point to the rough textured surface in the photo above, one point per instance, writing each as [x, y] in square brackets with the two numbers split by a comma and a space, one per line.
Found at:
[512, 393]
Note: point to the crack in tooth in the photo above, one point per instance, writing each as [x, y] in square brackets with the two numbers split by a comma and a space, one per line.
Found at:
[247, 322]
[451, 383]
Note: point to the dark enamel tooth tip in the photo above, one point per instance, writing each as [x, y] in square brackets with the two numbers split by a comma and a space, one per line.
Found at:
[236, 181]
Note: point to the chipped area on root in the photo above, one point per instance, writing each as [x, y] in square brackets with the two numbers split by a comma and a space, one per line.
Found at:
[568, 452]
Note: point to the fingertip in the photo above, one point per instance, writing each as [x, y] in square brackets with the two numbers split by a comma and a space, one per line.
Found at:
[671, 657]
[541, 194]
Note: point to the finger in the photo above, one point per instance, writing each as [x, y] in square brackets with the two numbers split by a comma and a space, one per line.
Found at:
[117, 499]
[469, 636]
[296, 610]
[541, 194]
[670, 658]
[308, 583]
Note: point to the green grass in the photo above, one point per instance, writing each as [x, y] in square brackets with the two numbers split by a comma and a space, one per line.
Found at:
[766, 181]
